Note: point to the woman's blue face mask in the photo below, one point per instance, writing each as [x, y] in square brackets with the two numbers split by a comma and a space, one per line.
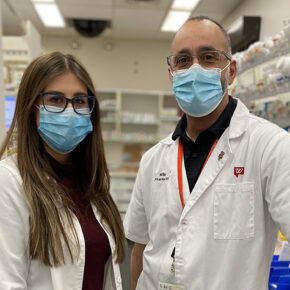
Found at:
[198, 91]
[62, 132]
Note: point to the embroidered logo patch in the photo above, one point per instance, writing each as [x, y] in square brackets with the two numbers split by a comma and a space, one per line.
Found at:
[239, 171]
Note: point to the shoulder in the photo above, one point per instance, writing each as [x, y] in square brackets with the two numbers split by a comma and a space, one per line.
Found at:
[255, 127]
[8, 167]
[10, 180]
[157, 151]
[265, 129]
[269, 138]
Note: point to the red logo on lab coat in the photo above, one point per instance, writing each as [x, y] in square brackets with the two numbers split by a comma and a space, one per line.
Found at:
[239, 171]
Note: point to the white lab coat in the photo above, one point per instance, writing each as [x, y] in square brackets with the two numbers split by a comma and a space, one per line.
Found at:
[17, 270]
[226, 234]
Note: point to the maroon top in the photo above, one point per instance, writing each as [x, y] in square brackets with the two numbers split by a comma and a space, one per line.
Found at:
[97, 247]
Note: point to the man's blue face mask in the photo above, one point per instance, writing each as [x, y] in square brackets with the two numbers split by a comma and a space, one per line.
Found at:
[62, 132]
[198, 91]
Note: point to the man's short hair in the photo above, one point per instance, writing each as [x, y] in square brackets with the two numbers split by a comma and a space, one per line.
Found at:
[227, 38]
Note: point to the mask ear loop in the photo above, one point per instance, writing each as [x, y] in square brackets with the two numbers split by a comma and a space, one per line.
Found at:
[225, 90]
[226, 66]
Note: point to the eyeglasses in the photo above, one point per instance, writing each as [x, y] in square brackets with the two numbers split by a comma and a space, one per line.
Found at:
[206, 58]
[57, 103]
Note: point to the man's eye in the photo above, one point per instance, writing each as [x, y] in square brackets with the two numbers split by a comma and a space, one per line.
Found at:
[209, 57]
[182, 60]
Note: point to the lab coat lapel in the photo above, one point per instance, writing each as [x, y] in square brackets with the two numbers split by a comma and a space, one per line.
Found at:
[220, 155]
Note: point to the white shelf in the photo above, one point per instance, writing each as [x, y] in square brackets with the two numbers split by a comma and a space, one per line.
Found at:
[170, 118]
[130, 141]
[265, 95]
[140, 123]
[268, 97]
[119, 174]
[263, 60]
[108, 121]
[139, 141]
[108, 109]
[132, 121]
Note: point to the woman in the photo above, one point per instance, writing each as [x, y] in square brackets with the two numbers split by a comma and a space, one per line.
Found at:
[59, 227]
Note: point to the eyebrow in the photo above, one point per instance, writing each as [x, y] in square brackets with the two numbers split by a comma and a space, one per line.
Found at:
[61, 93]
[202, 48]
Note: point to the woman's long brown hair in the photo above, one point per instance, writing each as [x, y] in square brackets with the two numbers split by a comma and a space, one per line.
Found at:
[51, 223]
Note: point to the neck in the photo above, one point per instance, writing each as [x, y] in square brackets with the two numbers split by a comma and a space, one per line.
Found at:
[60, 158]
[196, 125]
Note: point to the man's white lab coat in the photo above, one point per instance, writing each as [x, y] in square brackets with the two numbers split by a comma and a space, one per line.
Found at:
[17, 270]
[225, 236]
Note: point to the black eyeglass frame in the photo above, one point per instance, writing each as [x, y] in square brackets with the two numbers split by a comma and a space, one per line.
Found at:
[67, 100]
[226, 54]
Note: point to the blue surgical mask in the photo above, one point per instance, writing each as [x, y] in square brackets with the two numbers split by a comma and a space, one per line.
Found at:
[198, 91]
[62, 132]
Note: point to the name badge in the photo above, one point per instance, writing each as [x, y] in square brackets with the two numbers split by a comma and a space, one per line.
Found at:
[168, 286]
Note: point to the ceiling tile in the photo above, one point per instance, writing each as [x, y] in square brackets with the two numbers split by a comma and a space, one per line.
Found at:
[86, 2]
[130, 19]
[132, 34]
[154, 4]
[86, 11]
[137, 19]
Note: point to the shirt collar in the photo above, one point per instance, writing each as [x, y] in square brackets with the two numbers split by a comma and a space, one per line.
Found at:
[216, 129]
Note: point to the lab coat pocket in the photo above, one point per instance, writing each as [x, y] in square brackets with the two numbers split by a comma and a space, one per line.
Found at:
[234, 211]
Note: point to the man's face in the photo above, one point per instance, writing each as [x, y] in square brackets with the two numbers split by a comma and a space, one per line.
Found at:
[197, 36]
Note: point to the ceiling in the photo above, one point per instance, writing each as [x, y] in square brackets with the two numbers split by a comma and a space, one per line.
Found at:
[130, 19]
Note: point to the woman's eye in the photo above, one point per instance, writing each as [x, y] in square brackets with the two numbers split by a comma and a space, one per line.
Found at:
[79, 101]
[55, 99]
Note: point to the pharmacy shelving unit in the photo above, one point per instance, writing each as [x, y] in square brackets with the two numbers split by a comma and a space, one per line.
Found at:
[15, 61]
[17, 53]
[132, 122]
[271, 102]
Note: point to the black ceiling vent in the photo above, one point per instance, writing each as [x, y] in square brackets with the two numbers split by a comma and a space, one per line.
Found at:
[88, 27]
[244, 31]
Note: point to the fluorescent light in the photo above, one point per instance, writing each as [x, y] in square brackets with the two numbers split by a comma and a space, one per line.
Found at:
[188, 5]
[42, 1]
[174, 20]
[49, 14]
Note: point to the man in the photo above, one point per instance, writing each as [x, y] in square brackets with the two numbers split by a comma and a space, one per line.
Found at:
[209, 199]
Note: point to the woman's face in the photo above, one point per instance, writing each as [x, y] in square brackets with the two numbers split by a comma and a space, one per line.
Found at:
[66, 84]
[69, 85]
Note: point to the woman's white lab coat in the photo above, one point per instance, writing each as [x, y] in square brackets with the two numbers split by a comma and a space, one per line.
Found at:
[17, 270]
[224, 238]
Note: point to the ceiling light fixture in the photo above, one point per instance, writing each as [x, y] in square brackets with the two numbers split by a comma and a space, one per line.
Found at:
[174, 20]
[42, 1]
[49, 14]
[187, 5]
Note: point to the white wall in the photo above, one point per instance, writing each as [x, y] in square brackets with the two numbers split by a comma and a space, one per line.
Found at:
[130, 64]
[2, 108]
[272, 13]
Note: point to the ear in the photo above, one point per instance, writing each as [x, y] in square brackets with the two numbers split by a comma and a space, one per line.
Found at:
[169, 74]
[233, 71]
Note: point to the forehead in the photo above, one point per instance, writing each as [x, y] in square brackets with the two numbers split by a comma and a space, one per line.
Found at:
[197, 34]
[66, 81]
